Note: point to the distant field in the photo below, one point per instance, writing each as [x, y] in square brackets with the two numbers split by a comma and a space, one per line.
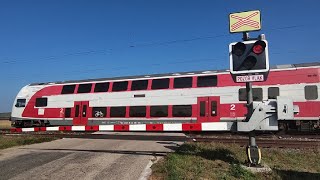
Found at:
[5, 124]
[5, 115]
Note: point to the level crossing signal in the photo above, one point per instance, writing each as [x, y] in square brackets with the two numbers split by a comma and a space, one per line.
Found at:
[249, 57]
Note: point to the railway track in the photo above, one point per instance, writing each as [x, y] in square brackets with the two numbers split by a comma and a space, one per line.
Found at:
[297, 143]
[265, 140]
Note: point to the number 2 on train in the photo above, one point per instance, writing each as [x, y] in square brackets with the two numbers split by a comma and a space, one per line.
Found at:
[232, 107]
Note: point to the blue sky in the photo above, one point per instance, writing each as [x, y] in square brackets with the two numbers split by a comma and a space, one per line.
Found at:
[42, 41]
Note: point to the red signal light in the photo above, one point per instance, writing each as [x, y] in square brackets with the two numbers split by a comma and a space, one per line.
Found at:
[259, 47]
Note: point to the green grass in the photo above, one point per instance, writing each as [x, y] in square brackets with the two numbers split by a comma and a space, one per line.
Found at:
[10, 141]
[217, 161]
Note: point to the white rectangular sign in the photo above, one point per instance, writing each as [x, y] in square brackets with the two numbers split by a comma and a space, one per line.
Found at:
[250, 78]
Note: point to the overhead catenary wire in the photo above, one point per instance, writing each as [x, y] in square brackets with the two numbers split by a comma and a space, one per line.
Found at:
[109, 50]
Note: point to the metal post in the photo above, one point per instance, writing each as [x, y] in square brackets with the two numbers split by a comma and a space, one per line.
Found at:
[252, 138]
[249, 100]
[253, 151]
[245, 36]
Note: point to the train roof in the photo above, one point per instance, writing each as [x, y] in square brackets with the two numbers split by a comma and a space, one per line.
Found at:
[286, 66]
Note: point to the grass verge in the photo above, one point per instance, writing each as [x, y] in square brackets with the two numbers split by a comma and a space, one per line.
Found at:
[218, 161]
[10, 141]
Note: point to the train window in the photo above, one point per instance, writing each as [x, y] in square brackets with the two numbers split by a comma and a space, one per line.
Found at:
[120, 86]
[138, 111]
[311, 92]
[184, 82]
[84, 88]
[160, 83]
[139, 85]
[41, 102]
[257, 94]
[21, 103]
[101, 87]
[202, 109]
[207, 81]
[242, 94]
[118, 111]
[67, 112]
[99, 112]
[181, 110]
[68, 89]
[76, 114]
[273, 92]
[214, 109]
[159, 111]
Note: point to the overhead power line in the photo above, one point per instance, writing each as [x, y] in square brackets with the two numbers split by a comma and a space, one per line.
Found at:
[109, 50]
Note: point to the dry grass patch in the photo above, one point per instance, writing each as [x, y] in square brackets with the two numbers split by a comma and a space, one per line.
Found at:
[10, 141]
[5, 124]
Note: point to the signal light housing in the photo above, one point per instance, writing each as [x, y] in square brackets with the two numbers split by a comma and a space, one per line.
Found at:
[249, 57]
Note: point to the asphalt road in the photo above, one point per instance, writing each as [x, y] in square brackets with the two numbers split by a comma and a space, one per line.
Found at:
[106, 156]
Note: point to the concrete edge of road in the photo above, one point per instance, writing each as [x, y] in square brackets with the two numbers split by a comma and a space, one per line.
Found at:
[146, 173]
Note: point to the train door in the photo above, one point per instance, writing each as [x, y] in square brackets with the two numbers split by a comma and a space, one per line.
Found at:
[208, 109]
[80, 113]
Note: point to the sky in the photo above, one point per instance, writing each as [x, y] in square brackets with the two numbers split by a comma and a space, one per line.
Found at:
[50, 40]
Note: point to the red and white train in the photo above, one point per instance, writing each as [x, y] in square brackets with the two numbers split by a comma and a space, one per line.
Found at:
[207, 96]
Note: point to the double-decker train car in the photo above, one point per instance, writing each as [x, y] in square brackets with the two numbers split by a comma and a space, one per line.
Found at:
[205, 96]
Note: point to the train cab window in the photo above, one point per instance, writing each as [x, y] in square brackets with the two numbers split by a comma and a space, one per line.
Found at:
[68, 89]
[181, 110]
[207, 81]
[273, 92]
[256, 93]
[67, 112]
[101, 87]
[118, 111]
[138, 111]
[159, 111]
[184, 82]
[41, 102]
[99, 112]
[84, 88]
[139, 85]
[160, 83]
[120, 86]
[311, 92]
[21, 103]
